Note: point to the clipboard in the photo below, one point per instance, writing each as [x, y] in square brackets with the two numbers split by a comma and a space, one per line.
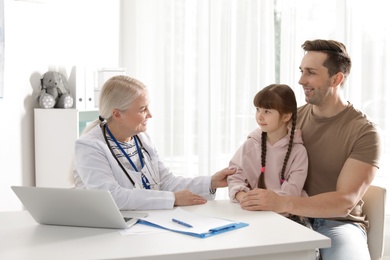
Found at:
[195, 225]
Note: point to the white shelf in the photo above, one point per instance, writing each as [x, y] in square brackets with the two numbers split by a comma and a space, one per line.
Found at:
[56, 131]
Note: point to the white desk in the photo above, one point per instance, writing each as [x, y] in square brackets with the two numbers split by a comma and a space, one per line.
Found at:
[268, 236]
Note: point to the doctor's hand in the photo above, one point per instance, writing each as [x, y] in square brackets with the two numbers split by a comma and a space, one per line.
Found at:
[186, 198]
[219, 179]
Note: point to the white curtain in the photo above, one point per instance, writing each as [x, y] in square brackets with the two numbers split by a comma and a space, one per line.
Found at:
[203, 62]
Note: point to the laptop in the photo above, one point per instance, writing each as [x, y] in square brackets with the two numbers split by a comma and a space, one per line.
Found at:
[75, 207]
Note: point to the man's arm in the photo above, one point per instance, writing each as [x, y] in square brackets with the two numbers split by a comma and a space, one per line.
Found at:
[354, 179]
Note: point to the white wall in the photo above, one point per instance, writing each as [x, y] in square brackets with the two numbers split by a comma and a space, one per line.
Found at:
[42, 36]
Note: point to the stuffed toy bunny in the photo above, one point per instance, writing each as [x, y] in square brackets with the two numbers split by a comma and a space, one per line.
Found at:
[54, 91]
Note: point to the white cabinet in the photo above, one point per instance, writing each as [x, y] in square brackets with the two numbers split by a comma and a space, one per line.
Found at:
[56, 131]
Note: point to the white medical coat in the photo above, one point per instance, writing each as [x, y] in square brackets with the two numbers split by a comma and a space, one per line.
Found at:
[96, 168]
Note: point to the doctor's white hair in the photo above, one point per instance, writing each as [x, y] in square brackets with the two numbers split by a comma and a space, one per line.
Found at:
[118, 92]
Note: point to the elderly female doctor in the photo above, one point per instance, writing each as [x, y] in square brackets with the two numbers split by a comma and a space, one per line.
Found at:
[116, 154]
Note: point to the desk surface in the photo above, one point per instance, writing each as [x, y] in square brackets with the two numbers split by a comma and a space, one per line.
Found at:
[268, 236]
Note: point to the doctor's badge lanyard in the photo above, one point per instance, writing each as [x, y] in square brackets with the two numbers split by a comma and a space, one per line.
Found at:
[145, 181]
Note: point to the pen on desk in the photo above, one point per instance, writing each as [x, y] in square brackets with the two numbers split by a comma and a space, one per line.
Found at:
[181, 223]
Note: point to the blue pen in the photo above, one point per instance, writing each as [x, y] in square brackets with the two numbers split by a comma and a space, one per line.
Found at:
[181, 223]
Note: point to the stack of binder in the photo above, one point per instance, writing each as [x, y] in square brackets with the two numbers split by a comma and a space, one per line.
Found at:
[188, 223]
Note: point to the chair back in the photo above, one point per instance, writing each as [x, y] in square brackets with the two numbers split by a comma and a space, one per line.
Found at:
[374, 208]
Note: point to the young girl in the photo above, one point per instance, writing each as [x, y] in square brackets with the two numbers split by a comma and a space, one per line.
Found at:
[273, 156]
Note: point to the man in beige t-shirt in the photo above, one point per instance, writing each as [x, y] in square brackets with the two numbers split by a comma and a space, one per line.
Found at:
[343, 147]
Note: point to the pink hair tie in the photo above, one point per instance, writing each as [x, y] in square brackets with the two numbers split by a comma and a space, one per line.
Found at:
[262, 169]
[282, 181]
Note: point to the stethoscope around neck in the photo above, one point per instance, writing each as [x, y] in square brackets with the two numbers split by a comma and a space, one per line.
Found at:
[140, 148]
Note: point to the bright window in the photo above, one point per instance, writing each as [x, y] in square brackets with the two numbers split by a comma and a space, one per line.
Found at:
[205, 60]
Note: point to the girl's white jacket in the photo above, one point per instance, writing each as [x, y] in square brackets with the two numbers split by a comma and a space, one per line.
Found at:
[96, 168]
